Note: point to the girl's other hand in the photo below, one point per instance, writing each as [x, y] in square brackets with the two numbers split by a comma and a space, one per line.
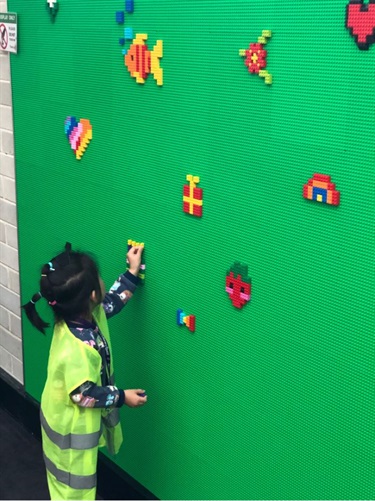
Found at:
[134, 398]
[134, 259]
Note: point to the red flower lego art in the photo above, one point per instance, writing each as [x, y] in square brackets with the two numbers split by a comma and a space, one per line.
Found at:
[238, 284]
[255, 57]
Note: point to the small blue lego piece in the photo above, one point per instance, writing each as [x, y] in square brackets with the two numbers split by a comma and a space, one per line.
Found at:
[69, 125]
[120, 17]
[180, 317]
[121, 41]
[124, 52]
[129, 5]
[128, 33]
[319, 191]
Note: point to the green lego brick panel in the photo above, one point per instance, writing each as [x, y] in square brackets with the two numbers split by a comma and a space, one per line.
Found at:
[271, 401]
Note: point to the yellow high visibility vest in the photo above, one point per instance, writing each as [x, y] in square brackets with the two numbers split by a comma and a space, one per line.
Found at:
[72, 434]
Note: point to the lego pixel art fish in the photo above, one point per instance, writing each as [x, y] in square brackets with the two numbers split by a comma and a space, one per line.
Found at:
[141, 62]
[238, 284]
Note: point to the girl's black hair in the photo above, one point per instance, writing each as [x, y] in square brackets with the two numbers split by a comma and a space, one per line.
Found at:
[66, 282]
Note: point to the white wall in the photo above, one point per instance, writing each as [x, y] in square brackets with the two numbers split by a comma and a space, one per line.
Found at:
[10, 322]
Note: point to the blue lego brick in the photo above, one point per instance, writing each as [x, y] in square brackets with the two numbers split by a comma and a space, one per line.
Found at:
[128, 33]
[121, 41]
[319, 191]
[129, 5]
[180, 317]
[124, 52]
[70, 126]
[120, 17]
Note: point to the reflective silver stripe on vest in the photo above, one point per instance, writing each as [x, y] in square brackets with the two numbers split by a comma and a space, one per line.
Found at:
[74, 481]
[71, 440]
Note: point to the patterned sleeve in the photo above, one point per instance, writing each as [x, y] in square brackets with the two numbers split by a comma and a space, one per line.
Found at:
[91, 395]
[120, 293]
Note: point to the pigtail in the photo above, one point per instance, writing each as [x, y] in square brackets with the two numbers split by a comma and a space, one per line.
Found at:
[66, 283]
[33, 315]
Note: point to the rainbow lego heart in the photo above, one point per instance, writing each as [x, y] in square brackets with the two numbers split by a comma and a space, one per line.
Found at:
[79, 134]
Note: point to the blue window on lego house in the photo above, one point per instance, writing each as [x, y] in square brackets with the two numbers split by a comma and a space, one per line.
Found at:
[319, 194]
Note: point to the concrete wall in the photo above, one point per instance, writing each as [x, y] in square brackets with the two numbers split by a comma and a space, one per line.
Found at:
[10, 321]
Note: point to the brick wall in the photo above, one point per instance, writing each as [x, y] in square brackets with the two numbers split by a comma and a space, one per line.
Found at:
[10, 322]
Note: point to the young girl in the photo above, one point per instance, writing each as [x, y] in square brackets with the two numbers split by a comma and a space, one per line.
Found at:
[79, 406]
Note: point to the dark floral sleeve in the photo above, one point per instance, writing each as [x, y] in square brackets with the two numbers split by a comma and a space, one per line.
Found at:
[119, 294]
[91, 395]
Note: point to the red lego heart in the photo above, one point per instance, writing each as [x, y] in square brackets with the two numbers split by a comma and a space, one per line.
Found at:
[360, 19]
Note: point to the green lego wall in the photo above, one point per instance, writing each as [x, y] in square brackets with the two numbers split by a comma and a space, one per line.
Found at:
[270, 401]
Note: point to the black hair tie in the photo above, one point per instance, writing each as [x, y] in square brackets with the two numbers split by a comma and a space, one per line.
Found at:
[36, 297]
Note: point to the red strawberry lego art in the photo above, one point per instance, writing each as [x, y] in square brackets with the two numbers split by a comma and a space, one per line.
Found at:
[238, 284]
[360, 20]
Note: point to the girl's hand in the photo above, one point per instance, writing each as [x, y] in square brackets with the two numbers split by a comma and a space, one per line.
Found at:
[134, 398]
[134, 259]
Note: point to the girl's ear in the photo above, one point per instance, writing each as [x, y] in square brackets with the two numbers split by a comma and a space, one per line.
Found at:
[93, 296]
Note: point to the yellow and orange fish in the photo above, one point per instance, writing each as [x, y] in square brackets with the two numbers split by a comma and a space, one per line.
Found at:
[141, 62]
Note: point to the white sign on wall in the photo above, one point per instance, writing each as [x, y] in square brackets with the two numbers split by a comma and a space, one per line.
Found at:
[8, 32]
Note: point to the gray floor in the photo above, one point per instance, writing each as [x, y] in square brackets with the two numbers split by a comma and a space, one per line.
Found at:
[22, 473]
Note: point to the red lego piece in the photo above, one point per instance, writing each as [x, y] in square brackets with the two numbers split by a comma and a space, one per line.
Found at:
[192, 198]
[324, 178]
[335, 198]
[238, 284]
[191, 323]
[197, 210]
[360, 20]
[255, 57]
[198, 193]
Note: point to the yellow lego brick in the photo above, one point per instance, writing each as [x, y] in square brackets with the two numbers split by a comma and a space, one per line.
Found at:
[193, 180]
[156, 54]
[140, 38]
[267, 76]
[134, 243]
